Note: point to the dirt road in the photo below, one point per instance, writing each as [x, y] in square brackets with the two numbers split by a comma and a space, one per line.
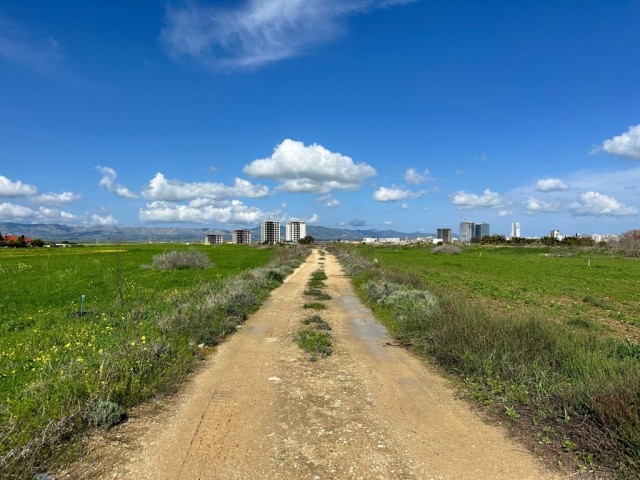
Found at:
[260, 409]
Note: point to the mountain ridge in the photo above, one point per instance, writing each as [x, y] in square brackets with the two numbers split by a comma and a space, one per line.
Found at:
[108, 234]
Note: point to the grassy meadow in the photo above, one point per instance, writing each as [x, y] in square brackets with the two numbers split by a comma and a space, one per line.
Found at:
[141, 330]
[545, 339]
[584, 288]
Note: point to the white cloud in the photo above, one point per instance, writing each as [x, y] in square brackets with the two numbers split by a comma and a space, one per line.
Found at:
[328, 201]
[597, 204]
[259, 31]
[551, 185]
[309, 169]
[9, 188]
[11, 211]
[228, 211]
[413, 177]
[107, 220]
[387, 223]
[503, 212]
[108, 182]
[488, 199]
[404, 206]
[394, 194]
[162, 189]
[313, 219]
[626, 144]
[534, 205]
[56, 198]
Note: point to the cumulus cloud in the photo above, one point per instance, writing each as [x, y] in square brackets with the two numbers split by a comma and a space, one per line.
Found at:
[108, 182]
[551, 185]
[413, 177]
[313, 219]
[488, 199]
[503, 212]
[328, 201]
[56, 198]
[161, 189]
[353, 223]
[534, 205]
[9, 188]
[626, 144]
[14, 212]
[394, 194]
[11, 211]
[598, 205]
[310, 169]
[257, 32]
[226, 211]
[107, 220]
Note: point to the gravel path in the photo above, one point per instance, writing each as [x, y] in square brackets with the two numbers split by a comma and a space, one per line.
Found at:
[259, 409]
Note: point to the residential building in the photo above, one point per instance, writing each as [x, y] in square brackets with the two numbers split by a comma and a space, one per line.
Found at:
[213, 239]
[481, 230]
[515, 229]
[241, 236]
[466, 231]
[444, 234]
[294, 231]
[270, 232]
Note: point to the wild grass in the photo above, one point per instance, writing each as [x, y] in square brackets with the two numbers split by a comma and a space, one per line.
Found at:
[314, 342]
[176, 260]
[62, 374]
[575, 390]
[314, 305]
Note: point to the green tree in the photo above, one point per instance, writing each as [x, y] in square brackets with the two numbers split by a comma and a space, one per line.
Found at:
[307, 240]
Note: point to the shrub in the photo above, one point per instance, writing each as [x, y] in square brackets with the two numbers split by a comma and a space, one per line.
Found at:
[451, 249]
[175, 260]
[104, 414]
[314, 342]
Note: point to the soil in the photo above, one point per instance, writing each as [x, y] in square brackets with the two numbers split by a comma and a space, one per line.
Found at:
[259, 408]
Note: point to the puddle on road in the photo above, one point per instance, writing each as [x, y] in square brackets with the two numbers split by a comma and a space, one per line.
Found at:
[366, 327]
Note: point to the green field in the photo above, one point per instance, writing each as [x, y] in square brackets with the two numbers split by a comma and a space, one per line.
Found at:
[544, 339]
[579, 287]
[141, 330]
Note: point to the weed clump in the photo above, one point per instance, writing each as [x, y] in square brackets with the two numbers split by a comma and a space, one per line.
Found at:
[314, 342]
[104, 414]
[177, 260]
[450, 249]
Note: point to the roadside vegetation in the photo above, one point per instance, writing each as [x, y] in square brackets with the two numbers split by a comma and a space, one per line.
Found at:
[569, 385]
[88, 333]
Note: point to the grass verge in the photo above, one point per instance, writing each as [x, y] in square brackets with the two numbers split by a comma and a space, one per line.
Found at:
[88, 376]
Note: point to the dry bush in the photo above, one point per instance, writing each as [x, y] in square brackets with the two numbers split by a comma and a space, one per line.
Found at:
[175, 260]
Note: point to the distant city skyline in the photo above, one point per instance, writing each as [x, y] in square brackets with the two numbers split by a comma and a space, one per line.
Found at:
[405, 114]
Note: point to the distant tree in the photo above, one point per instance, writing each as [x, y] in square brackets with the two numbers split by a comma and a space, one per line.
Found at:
[37, 242]
[629, 243]
[21, 242]
[308, 240]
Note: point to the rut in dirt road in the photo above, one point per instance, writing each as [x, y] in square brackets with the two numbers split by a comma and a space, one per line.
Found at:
[260, 409]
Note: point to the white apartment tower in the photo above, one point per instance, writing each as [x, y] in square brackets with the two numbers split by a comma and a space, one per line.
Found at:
[241, 236]
[295, 231]
[270, 232]
[515, 229]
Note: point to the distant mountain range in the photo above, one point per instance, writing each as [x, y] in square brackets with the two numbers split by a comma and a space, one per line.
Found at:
[58, 233]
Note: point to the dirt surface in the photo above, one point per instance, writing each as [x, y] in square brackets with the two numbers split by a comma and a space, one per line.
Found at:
[259, 408]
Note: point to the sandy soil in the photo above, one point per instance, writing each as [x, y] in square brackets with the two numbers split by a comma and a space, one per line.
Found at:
[260, 409]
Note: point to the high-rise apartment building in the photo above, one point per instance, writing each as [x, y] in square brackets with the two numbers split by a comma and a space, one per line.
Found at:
[466, 231]
[444, 234]
[213, 239]
[270, 232]
[241, 236]
[515, 229]
[481, 230]
[294, 231]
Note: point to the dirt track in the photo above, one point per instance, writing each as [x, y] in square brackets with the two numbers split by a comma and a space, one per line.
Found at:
[260, 409]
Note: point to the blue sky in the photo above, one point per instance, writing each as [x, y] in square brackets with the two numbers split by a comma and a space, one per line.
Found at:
[409, 115]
